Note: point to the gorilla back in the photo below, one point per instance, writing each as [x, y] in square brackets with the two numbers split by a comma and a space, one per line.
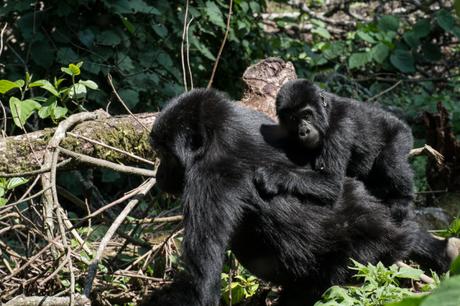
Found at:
[209, 148]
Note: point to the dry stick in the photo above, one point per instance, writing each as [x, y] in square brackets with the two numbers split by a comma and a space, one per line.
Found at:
[35, 172]
[106, 164]
[188, 54]
[423, 277]
[80, 300]
[1, 38]
[26, 199]
[4, 134]
[182, 55]
[112, 148]
[428, 151]
[385, 91]
[46, 180]
[109, 78]
[222, 45]
[159, 220]
[131, 194]
[116, 223]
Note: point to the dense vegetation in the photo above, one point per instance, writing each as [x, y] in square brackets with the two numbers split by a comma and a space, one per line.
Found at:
[55, 59]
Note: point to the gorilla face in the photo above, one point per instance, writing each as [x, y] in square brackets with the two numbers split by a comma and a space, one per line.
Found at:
[302, 124]
[170, 175]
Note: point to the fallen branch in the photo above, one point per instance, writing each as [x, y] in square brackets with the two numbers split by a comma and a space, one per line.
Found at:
[116, 223]
[80, 300]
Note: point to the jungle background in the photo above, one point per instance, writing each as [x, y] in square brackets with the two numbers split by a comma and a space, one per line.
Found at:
[79, 213]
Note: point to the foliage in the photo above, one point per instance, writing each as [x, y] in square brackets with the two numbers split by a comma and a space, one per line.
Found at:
[448, 294]
[53, 95]
[8, 185]
[242, 286]
[380, 285]
[138, 41]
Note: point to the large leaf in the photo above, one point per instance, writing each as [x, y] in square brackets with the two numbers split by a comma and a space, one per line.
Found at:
[403, 60]
[22, 110]
[357, 60]
[15, 182]
[380, 52]
[108, 38]
[46, 85]
[388, 23]
[6, 85]
[445, 20]
[422, 28]
[214, 14]
[448, 294]
[77, 91]
[88, 83]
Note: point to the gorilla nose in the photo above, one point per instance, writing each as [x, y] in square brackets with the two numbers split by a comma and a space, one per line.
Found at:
[304, 132]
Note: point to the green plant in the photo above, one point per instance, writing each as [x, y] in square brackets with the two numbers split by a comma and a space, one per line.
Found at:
[243, 285]
[8, 185]
[380, 285]
[53, 101]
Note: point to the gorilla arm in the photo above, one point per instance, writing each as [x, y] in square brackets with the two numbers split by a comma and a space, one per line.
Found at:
[210, 216]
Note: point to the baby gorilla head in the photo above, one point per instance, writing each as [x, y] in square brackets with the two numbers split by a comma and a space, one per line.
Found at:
[302, 112]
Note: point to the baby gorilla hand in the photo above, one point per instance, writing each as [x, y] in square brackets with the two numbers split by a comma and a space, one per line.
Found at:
[268, 180]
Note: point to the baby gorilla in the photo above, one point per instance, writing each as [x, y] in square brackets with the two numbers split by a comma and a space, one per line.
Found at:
[345, 138]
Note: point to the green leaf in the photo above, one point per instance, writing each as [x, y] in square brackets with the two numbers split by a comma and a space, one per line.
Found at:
[456, 31]
[322, 32]
[77, 91]
[86, 37]
[130, 96]
[455, 267]
[409, 301]
[22, 110]
[59, 112]
[160, 29]
[88, 83]
[448, 294]
[108, 38]
[74, 69]
[46, 110]
[445, 20]
[6, 85]
[3, 201]
[15, 182]
[66, 55]
[66, 70]
[409, 272]
[357, 60]
[366, 37]
[20, 83]
[411, 39]
[214, 14]
[388, 23]
[380, 52]
[403, 61]
[457, 7]
[46, 85]
[422, 28]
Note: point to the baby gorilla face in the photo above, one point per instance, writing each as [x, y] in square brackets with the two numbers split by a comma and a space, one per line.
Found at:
[301, 124]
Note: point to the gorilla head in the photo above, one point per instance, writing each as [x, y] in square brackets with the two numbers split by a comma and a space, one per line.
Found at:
[303, 112]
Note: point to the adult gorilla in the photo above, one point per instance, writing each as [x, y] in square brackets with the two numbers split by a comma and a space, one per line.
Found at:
[209, 149]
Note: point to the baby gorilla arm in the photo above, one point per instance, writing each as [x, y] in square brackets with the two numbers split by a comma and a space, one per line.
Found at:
[323, 183]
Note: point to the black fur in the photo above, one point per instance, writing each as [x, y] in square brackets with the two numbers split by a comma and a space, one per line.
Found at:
[356, 140]
[209, 149]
